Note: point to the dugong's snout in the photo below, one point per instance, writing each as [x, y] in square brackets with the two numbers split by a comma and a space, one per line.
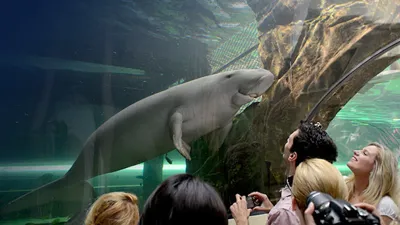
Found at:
[263, 83]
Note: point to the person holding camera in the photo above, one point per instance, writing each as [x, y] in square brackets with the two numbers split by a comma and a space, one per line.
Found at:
[309, 140]
[318, 194]
[309, 214]
[319, 185]
[374, 180]
[316, 175]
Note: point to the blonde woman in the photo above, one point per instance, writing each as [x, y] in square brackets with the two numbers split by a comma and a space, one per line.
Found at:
[114, 208]
[315, 175]
[374, 180]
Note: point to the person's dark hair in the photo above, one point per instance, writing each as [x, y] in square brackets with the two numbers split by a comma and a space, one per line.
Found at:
[313, 142]
[184, 199]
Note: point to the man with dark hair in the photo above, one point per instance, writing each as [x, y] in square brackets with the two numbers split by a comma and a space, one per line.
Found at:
[309, 140]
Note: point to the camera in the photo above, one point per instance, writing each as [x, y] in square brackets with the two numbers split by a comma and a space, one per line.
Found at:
[252, 202]
[337, 211]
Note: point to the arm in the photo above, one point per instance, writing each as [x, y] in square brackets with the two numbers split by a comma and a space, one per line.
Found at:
[239, 210]
[283, 216]
[387, 209]
[385, 220]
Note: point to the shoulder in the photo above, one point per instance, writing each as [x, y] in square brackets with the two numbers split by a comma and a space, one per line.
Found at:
[387, 201]
[387, 207]
[283, 216]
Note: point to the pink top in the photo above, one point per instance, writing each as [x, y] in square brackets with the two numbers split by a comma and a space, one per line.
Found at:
[282, 213]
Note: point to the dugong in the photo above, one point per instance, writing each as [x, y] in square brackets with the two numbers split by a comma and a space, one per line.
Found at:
[153, 126]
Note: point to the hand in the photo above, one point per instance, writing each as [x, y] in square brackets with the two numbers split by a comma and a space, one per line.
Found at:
[371, 209]
[308, 217]
[239, 210]
[266, 203]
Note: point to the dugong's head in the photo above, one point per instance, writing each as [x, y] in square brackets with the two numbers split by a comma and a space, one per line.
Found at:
[246, 84]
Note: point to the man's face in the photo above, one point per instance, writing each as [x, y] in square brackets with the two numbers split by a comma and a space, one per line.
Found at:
[288, 146]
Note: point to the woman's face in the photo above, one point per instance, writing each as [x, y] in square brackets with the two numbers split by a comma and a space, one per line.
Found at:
[363, 160]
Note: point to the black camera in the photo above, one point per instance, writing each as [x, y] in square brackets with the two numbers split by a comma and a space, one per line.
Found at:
[338, 211]
[252, 202]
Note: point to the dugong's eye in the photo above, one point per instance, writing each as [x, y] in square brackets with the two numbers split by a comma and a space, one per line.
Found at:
[229, 76]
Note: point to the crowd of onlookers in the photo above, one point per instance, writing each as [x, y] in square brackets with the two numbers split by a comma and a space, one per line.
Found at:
[309, 154]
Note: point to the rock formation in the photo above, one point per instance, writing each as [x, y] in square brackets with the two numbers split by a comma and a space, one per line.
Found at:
[309, 46]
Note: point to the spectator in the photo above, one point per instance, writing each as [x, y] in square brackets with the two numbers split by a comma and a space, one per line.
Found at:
[308, 141]
[183, 199]
[374, 180]
[311, 175]
[114, 208]
[316, 175]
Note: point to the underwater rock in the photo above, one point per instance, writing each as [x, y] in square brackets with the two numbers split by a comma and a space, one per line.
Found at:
[271, 14]
[328, 46]
[309, 56]
[243, 169]
[237, 167]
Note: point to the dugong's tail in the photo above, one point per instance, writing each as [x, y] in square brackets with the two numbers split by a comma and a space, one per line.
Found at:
[57, 191]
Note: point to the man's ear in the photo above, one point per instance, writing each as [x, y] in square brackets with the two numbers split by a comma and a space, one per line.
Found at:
[294, 204]
[292, 156]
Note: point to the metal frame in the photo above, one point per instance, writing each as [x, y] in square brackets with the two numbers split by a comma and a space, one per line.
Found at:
[339, 83]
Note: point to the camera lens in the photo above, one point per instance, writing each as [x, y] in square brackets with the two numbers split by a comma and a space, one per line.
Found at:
[318, 199]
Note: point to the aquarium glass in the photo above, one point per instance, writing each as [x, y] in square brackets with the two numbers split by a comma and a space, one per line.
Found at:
[69, 67]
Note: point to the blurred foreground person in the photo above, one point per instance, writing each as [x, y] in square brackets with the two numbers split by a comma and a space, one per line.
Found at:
[184, 199]
[114, 208]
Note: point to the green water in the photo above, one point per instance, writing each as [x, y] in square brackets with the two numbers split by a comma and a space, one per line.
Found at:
[378, 104]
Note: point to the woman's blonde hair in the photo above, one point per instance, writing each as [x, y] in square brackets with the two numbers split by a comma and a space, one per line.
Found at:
[394, 222]
[317, 175]
[383, 179]
[114, 208]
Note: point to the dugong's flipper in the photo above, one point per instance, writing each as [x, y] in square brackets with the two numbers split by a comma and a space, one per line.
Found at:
[217, 137]
[176, 121]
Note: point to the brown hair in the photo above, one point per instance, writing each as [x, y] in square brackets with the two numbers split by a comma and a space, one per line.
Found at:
[114, 208]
